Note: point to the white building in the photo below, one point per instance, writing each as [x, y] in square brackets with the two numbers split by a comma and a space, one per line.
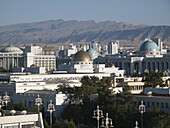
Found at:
[82, 63]
[11, 57]
[21, 120]
[148, 58]
[68, 52]
[23, 86]
[113, 48]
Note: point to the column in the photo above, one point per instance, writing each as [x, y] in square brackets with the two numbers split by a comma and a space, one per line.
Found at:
[122, 65]
[131, 68]
[151, 66]
[17, 64]
[140, 68]
[160, 66]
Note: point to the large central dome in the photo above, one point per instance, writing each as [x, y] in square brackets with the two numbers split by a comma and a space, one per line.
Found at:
[12, 49]
[82, 56]
[149, 45]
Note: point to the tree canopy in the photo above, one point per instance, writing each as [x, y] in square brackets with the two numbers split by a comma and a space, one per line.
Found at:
[152, 79]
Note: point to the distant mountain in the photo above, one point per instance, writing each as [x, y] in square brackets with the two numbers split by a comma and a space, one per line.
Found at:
[60, 31]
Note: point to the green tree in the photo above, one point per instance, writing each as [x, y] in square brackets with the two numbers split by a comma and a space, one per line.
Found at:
[121, 107]
[65, 124]
[46, 124]
[57, 124]
[18, 107]
[152, 79]
[33, 109]
[79, 95]
[3, 69]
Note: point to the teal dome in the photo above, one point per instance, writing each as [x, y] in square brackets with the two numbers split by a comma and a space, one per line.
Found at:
[92, 52]
[149, 45]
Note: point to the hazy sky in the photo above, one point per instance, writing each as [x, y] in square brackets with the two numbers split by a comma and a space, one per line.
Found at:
[150, 12]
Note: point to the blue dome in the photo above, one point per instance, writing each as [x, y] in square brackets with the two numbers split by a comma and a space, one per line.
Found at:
[92, 52]
[149, 45]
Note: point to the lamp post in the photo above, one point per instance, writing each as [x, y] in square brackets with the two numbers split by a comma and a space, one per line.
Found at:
[98, 114]
[6, 99]
[107, 122]
[51, 108]
[136, 124]
[142, 110]
[38, 102]
[1, 102]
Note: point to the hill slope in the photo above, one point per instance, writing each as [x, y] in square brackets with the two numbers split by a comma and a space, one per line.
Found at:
[60, 31]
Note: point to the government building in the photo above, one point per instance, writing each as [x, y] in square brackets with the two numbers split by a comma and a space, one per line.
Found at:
[12, 56]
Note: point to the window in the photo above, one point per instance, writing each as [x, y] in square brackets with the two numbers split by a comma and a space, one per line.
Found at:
[28, 126]
[148, 104]
[157, 104]
[153, 104]
[162, 105]
[30, 104]
[166, 104]
[12, 126]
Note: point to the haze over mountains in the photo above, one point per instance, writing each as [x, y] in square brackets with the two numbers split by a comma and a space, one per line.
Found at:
[60, 31]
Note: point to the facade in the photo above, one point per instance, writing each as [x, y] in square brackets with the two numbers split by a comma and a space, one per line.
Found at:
[113, 48]
[83, 63]
[67, 52]
[11, 57]
[135, 84]
[146, 59]
[21, 120]
[150, 102]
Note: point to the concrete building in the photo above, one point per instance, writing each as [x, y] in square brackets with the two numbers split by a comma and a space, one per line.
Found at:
[11, 57]
[148, 58]
[161, 102]
[21, 120]
[113, 48]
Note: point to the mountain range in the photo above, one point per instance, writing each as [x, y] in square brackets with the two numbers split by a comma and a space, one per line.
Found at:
[72, 31]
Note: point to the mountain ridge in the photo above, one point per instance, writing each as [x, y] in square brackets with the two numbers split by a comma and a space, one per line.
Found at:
[72, 31]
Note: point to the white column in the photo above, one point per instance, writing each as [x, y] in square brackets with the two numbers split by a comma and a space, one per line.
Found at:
[140, 68]
[20, 126]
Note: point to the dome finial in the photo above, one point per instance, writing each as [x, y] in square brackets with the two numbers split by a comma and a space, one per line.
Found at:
[149, 38]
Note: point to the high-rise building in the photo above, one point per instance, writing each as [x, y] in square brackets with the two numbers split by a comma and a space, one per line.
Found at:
[113, 48]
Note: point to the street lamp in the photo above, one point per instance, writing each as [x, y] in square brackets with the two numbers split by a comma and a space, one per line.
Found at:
[38, 102]
[1, 102]
[6, 99]
[136, 124]
[51, 108]
[98, 114]
[106, 122]
[142, 110]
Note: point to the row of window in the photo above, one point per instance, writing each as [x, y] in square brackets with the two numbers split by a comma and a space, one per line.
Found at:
[136, 88]
[155, 104]
[2, 93]
[17, 126]
[42, 58]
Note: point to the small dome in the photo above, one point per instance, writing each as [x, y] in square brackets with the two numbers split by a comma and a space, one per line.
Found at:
[149, 45]
[81, 56]
[12, 48]
[92, 52]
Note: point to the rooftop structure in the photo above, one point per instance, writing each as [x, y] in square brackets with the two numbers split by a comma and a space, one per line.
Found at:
[21, 120]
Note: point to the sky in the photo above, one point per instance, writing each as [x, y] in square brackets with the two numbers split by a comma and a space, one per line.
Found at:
[149, 12]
